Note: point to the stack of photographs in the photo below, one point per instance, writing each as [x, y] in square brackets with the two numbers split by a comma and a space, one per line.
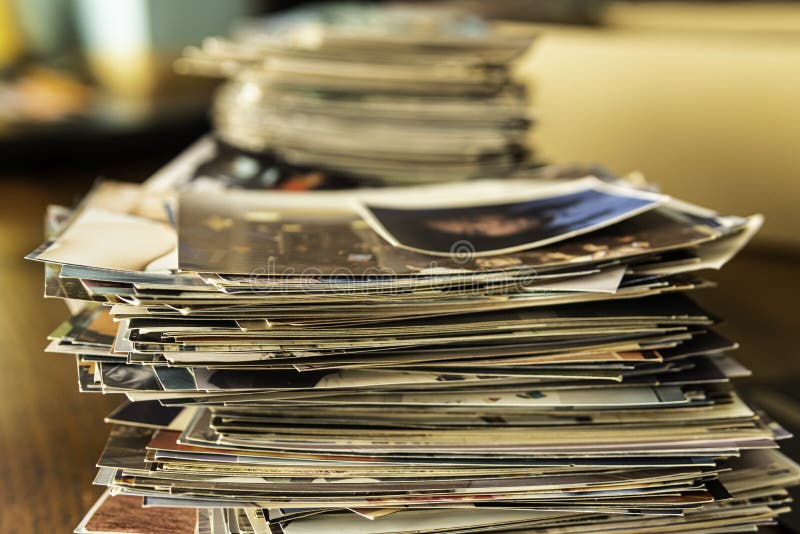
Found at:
[395, 94]
[510, 355]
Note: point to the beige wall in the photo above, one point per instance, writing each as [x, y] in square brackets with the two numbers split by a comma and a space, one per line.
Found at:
[709, 109]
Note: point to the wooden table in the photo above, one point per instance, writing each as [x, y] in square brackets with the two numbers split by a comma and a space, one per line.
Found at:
[51, 436]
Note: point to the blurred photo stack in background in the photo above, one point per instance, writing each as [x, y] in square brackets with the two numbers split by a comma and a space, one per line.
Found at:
[395, 94]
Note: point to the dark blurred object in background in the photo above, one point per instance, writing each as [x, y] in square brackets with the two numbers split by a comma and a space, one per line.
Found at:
[78, 75]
